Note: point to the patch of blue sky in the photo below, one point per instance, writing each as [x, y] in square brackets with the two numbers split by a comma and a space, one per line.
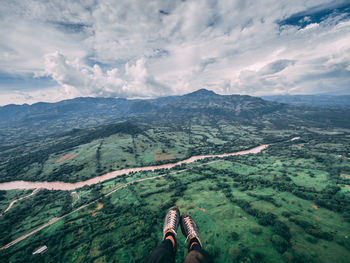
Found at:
[158, 53]
[318, 14]
[71, 27]
[24, 82]
[92, 61]
[163, 12]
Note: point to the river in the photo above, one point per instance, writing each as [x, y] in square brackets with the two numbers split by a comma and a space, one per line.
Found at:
[25, 185]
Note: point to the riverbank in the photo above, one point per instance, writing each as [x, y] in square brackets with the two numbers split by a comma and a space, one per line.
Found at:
[63, 186]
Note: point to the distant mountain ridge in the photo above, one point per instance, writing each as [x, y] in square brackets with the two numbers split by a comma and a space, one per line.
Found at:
[19, 123]
[313, 100]
[49, 118]
[114, 108]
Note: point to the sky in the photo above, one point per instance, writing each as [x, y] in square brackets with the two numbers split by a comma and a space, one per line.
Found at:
[62, 49]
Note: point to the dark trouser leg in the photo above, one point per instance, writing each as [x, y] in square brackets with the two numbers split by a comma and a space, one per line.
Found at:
[198, 255]
[164, 253]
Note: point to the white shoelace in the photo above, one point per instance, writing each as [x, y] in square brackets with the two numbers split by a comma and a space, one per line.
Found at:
[190, 228]
[171, 220]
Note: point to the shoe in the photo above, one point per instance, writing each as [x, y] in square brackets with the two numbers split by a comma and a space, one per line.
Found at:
[190, 230]
[171, 222]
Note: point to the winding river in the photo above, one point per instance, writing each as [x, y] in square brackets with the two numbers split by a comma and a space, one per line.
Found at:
[70, 186]
[25, 185]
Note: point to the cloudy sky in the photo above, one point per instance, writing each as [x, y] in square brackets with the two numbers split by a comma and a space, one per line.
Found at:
[54, 50]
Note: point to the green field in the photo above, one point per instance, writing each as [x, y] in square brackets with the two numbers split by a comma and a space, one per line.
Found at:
[64, 159]
[289, 203]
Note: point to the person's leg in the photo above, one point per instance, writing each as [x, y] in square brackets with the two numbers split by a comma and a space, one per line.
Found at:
[196, 253]
[166, 251]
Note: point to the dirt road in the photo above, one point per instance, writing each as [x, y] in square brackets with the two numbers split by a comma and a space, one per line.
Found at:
[19, 199]
[55, 219]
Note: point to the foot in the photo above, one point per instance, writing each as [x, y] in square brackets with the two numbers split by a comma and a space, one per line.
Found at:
[171, 223]
[190, 230]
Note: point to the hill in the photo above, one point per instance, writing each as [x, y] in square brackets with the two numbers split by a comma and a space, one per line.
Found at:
[287, 203]
[21, 122]
[312, 100]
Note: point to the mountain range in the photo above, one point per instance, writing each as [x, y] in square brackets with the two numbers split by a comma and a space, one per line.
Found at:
[22, 122]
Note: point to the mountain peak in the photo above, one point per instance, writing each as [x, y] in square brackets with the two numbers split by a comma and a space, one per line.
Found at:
[201, 92]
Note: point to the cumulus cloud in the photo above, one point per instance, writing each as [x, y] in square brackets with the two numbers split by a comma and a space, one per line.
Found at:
[82, 80]
[163, 47]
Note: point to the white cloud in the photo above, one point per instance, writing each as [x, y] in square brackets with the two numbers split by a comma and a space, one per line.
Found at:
[154, 48]
[311, 26]
[82, 80]
[51, 94]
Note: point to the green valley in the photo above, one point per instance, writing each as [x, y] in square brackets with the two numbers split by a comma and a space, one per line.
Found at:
[287, 203]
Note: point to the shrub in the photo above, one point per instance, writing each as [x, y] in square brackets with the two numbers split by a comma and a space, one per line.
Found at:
[255, 230]
[279, 243]
[234, 236]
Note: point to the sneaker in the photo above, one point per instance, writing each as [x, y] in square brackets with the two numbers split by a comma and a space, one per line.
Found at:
[190, 230]
[171, 222]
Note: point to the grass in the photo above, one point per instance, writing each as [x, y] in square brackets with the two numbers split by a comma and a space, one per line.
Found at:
[8, 196]
[284, 180]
